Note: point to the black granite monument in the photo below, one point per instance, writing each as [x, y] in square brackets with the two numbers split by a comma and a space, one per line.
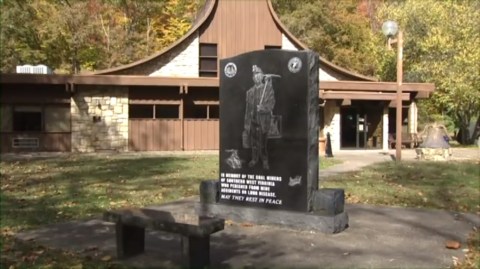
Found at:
[268, 129]
[269, 142]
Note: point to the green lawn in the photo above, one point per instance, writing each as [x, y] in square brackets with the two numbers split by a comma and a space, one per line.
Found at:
[328, 162]
[440, 185]
[45, 191]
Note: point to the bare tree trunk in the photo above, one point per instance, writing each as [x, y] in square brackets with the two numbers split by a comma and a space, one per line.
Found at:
[149, 28]
[476, 130]
[75, 65]
[106, 32]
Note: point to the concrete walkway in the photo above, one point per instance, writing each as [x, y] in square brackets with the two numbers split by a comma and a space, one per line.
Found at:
[353, 160]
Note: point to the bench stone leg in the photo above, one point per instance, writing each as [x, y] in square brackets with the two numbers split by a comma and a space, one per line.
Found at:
[195, 251]
[130, 240]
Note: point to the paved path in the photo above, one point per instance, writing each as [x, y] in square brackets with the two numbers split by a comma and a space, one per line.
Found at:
[353, 160]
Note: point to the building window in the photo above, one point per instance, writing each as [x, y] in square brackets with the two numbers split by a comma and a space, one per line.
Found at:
[153, 112]
[140, 111]
[208, 60]
[167, 111]
[213, 112]
[35, 118]
[196, 112]
[27, 119]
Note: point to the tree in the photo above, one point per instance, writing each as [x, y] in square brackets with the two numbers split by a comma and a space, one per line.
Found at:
[71, 36]
[18, 36]
[441, 40]
[339, 31]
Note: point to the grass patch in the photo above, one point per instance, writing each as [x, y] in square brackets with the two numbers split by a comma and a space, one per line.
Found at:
[441, 185]
[328, 162]
[45, 191]
[455, 144]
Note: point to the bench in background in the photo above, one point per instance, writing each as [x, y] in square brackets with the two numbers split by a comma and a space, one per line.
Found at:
[408, 140]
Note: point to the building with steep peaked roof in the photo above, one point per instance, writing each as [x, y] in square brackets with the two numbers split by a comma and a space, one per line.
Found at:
[169, 101]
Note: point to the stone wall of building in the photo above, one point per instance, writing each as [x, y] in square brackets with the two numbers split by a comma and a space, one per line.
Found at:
[287, 44]
[99, 119]
[182, 60]
[332, 123]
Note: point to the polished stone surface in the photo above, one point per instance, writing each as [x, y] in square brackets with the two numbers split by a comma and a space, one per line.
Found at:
[320, 221]
[189, 224]
[195, 231]
[269, 130]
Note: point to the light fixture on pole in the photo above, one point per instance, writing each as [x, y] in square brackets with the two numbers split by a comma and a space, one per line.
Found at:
[390, 29]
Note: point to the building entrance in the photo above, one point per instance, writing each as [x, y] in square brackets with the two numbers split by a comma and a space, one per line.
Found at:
[361, 126]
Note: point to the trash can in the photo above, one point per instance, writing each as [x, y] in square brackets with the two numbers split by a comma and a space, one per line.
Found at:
[322, 142]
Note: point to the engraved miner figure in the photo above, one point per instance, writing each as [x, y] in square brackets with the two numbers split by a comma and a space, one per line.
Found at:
[260, 101]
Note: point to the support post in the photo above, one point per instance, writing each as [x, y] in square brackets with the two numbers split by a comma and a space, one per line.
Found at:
[385, 132]
[130, 240]
[195, 251]
[412, 118]
[398, 143]
[182, 120]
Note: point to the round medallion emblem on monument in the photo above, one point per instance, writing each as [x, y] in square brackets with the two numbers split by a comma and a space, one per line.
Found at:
[230, 70]
[295, 64]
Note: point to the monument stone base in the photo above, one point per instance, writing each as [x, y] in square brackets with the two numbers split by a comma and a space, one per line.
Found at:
[433, 154]
[316, 221]
[328, 215]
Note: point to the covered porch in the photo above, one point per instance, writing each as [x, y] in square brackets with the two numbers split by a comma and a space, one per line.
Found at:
[361, 115]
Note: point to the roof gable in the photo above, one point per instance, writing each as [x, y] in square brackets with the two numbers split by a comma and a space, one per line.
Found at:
[237, 27]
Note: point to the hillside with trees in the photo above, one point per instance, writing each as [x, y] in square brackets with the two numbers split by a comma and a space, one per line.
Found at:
[71, 36]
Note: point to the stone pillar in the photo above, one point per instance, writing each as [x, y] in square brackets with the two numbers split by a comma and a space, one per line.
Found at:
[99, 119]
[385, 129]
[332, 123]
[412, 118]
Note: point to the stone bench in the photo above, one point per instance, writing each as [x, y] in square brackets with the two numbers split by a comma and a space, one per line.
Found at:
[195, 232]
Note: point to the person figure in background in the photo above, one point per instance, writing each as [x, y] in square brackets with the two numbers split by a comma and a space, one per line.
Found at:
[260, 101]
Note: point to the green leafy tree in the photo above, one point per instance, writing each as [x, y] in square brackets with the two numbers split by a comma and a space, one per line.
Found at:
[340, 31]
[72, 36]
[441, 46]
[20, 42]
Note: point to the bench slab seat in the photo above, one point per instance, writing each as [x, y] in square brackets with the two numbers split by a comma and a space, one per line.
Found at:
[195, 231]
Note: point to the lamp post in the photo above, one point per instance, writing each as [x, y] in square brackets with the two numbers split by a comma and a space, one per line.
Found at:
[390, 29]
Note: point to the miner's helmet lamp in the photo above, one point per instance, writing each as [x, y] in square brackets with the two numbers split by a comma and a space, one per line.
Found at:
[256, 70]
